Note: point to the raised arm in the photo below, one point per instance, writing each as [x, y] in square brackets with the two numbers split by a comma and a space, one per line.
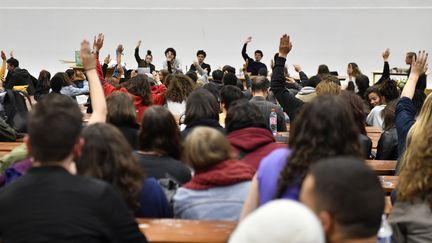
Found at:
[289, 103]
[96, 93]
[137, 56]
[3, 66]
[97, 45]
[418, 67]
[386, 68]
[302, 75]
[244, 54]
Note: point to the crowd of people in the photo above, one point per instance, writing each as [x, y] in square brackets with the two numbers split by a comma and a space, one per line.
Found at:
[163, 144]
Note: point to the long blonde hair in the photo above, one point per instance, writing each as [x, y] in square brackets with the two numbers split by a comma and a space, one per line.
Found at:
[416, 168]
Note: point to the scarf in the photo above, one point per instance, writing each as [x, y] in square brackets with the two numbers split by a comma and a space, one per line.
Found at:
[226, 173]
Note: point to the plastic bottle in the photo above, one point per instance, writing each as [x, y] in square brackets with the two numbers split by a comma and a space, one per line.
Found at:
[273, 121]
[385, 232]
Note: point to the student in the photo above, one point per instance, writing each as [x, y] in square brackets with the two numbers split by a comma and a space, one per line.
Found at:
[201, 55]
[349, 205]
[405, 109]
[409, 60]
[388, 141]
[248, 133]
[122, 114]
[229, 94]
[373, 96]
[43, 85]
[356, 80]
[280, 221]
[411, 217]
[68, 88]
[107, 217]
[260, 91]
[179, 88]
[171, 63]
[281, 172]
[220, 183]
[147, 63]
[214, 86]
[358, 109]
[253, 65]
[160, 146]
[202, 109]
[107, 156]
[329, 85]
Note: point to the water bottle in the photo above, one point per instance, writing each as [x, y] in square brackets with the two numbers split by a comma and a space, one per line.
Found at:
[273, 121]
[385, 232]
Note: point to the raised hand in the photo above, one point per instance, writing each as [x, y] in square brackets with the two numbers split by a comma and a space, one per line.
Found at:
[98, 42]
[285, 46]
[120, 49]
[88, 60]
[248, 40]
[297, 68]
[386, 54]
[3, 56]
[11, 54]
[138, 44]
[419, 65]
[107, 59]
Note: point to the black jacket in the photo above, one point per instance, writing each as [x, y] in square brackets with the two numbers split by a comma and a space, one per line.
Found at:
[387, 148]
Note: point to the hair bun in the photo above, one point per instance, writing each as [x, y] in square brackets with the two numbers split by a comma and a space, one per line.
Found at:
[149, 52]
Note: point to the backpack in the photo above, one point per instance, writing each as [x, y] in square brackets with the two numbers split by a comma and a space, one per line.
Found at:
[15, 110]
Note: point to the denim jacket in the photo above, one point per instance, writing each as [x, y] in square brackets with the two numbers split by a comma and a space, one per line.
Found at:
[218, 203]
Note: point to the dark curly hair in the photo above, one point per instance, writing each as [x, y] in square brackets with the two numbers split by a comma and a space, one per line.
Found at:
[358, 109]
[324, 128]
[139, 86]
[107, 155]
[389, 90]
[243, 114]
[179, 87]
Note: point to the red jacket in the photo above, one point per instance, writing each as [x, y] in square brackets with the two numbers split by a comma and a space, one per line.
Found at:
[255, 143]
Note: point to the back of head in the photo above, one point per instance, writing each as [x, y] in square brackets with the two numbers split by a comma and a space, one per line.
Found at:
[230, 94]
[201, 104]
[121, 110]
[362, 82]
[328, 87]
[243, 114]
[106, 155]
[70, 73]
[230, 79]
[192, 75]
[58, 81]
[323, 69]
[324, 128]
[354, 198]
[217, 75]
[54, 128]
[358, 109]
[229, 69]
[279, 221]
[13, 62]
[389, 115]
[389, 90]
[159, 132]
[44, 78]
[313, 81]
[139, 86]
[179, 87]
[263, 72]
[205, 147]
[260, 84]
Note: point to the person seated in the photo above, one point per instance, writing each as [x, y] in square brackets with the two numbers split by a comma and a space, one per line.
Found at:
[122, 114]
[253, 65]
[358, 109]
[229, 94]
[172, 64]
[314, 135]
[373, 96]
[179, 86]
[387, 148]
[17, 76]
[42, 86]
[248, 133]
[202, 109]
[279, 221]
[160, 146]
[356, 80]
[220, 183]
[107, 156]
[147, 63]
[260, 91]
[329, 85]
[214, 86]
[68, 88]
[201, 55]
[76, 197]
[349, 205]
[422, 80]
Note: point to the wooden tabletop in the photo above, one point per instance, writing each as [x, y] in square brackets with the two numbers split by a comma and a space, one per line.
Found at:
[9, 146]
[383, 167]
[181, 231]
[373, 129]
[389, 183]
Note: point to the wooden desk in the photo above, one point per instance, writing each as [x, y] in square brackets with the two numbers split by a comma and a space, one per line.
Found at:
[191, 231]
[374, 138]
[282, 137]
[9, 146]
[389, 183]
[373, 130]
[382, 167]
[375, 73]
